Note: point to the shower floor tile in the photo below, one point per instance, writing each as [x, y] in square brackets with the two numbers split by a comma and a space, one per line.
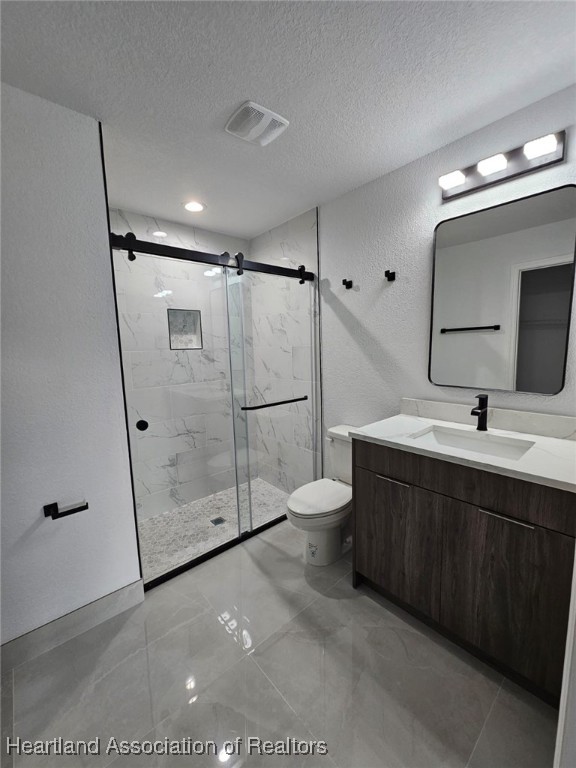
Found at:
[184, 533]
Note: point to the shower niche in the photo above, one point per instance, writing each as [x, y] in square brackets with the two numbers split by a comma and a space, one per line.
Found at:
[185, 328]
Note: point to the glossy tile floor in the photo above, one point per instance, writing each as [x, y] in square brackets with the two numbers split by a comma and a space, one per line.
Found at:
[253, 643]
[179, 535]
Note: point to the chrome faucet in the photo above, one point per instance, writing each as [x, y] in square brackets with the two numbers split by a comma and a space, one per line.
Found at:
[481, 411]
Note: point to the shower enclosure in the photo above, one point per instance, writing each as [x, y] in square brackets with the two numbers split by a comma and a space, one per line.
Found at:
[221, 393]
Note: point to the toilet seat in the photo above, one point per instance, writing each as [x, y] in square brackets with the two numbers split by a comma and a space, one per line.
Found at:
[320, 498]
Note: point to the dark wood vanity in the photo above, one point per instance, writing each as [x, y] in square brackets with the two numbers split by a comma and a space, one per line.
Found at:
[485, 558]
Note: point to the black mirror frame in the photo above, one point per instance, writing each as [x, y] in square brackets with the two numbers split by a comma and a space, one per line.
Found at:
[471, 213]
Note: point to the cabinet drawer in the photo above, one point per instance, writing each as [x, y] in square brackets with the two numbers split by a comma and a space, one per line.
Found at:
[538, 504]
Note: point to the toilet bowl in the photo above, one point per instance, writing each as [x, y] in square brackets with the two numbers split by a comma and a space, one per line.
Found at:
[321, 508]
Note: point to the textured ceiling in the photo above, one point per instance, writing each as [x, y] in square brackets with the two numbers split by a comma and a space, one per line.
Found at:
[367, 87]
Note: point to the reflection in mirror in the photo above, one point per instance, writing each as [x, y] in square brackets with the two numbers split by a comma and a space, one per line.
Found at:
[502, 295]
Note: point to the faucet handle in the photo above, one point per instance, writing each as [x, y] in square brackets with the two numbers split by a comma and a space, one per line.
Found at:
[482, 401]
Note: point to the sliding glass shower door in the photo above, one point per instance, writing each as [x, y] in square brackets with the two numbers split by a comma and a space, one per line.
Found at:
[175, 353]
[220, 394]
[272, 343]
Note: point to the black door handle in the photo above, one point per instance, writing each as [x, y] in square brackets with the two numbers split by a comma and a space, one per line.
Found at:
[142, 425]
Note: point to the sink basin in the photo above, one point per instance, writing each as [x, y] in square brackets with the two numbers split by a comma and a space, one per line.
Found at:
[440, 438]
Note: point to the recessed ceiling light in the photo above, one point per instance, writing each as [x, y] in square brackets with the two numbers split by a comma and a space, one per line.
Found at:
[209, 273]
[492, 164]
[450, 180]
[159, 233]
[194, 206]
[539, 147]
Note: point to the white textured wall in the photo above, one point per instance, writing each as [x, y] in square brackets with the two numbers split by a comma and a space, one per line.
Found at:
[63, 427]
[375, 336]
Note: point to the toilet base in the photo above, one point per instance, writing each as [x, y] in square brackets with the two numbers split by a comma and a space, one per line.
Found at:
[323, 547]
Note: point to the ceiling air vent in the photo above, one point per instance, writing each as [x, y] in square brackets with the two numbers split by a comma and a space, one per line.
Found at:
[256, 124]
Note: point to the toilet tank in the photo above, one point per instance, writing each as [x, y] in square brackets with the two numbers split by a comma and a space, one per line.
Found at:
[339, 449]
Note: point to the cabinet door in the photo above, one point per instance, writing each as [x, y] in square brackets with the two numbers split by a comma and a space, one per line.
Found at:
[506, 589]
[398, 539]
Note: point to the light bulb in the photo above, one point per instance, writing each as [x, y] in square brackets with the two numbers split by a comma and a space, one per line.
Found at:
[545, 145]
[451, 180]
[492, 164]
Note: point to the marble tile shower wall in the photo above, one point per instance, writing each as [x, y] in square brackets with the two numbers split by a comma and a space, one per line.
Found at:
[285, 356]
[185, 395]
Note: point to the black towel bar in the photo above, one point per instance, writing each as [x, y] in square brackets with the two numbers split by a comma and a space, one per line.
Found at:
[471, 328]
[272, 405]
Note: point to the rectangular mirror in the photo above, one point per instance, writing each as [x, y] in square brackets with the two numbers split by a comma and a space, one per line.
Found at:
[502, 295]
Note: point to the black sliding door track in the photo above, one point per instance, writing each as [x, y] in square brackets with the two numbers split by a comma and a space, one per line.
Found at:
[148, 585]
[130, 243]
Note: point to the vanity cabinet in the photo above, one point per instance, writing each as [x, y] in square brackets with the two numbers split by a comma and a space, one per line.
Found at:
[468, 551]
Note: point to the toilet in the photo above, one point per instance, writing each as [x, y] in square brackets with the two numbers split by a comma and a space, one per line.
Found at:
[322, 507]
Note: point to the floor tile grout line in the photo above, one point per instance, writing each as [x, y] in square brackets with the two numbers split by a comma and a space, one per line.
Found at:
[285, 700]
[183, 707]
[304, 608]
[485, 722]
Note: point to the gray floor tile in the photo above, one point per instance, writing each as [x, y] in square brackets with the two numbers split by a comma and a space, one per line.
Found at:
[186, 660]
[52, 684]
[118, 704]
[241, 703]
[253, 643]
[519, 733]
[165, 609]
[383, 695]
[247, 604]
[6, 717]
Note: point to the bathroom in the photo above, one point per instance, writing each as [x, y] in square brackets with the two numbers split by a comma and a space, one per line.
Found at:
[177, 382]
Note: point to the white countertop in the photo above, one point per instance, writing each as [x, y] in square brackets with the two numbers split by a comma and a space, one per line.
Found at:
[550, 461]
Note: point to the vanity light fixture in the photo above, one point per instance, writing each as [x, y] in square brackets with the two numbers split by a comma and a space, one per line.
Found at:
[194, 206]
[531, 156]
[492, 165]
